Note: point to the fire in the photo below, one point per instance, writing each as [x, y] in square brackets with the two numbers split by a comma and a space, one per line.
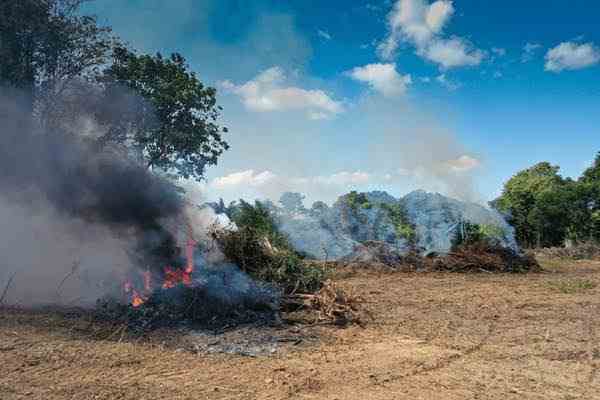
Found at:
[172, 276]
[136, 298]
[175, 276]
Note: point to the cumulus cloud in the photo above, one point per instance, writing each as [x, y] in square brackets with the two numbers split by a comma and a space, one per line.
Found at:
[268, 92]
[244, 178]
[383, 78]
[421, 24]
[454, 52]
[571, 56]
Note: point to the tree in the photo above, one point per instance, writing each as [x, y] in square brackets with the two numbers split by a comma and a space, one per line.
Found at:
[173, 125]
[292, 202]
[585, 205]
[592, 174]
[536, 201]
[45, 45]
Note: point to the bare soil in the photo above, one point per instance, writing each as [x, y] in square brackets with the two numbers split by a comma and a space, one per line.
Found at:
[434, 336]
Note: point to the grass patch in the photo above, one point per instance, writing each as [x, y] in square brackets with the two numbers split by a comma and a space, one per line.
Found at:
[572, 286]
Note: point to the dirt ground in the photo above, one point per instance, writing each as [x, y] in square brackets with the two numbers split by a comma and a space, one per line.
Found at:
[434, 336]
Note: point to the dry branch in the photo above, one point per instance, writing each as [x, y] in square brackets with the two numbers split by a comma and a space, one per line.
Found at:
[5, 291]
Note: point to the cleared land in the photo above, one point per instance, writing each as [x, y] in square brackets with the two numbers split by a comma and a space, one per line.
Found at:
[434, 336]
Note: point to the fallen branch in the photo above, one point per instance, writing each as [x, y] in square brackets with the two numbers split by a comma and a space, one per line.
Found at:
[74, 269]
[332, 304]
[5, 292]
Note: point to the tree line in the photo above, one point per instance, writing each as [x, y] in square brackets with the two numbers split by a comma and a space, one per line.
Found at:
[549, 210]
[62, 65]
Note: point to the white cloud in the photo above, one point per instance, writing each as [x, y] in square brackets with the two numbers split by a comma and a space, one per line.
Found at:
[324, 34]
[344, 178]
[421, 24]
[571, 56]
[384, 78]
[454, 52]
[447, 83]
[268, 92]
[529, 51]
[463, 163]
[243, 178]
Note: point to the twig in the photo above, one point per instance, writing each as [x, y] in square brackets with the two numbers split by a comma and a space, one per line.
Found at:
[74, 269]
[4, 293]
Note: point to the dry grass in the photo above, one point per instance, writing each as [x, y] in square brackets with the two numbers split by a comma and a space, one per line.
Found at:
[434, 336]
[571, 286]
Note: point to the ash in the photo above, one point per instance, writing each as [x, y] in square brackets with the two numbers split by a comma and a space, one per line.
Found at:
[262, 338]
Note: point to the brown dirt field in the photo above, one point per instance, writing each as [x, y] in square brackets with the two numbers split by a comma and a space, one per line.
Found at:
[435, 336]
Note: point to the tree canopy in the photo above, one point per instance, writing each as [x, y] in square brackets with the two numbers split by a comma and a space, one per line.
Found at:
[45, 45]
[546, 208]
[67, 69]
[175, 124]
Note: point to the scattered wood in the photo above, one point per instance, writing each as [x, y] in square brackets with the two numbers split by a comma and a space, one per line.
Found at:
[332, 304]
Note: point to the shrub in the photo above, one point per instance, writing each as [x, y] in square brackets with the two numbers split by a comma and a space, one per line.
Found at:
[357, 200]
[403, 227]
[469, 233]
[260, 250]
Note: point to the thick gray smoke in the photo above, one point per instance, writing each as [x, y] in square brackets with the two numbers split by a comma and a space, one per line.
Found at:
[72, 217]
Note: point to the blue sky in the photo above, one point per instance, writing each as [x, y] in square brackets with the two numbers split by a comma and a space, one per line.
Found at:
[324, 97]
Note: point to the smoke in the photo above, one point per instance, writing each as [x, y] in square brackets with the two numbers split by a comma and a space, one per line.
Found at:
[74, 217]
[378, 144]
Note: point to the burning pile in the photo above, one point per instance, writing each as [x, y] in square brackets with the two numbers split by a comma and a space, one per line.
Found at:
[118, 222]
[172, 277]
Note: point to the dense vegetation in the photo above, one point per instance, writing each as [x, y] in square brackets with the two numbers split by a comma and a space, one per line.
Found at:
[63, 67]
[547, 209]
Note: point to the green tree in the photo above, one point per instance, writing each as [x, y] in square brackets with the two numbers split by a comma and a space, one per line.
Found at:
[592, 174]
[585, 205]
[174, 126]
[536, 201]
[45, 46]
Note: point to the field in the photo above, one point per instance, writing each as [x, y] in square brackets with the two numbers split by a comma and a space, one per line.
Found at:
[433, 336]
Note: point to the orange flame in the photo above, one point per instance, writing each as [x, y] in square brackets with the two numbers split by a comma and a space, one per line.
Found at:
[173, 276]
[136, 299]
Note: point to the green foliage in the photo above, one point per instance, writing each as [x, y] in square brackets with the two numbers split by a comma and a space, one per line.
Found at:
[536, 201]
[357, 201]
[176, 128]
[260, 250]
[397, 214]
[470, 234]
[45, 46]
[592, 174]
[546, 209]
[258, 218]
